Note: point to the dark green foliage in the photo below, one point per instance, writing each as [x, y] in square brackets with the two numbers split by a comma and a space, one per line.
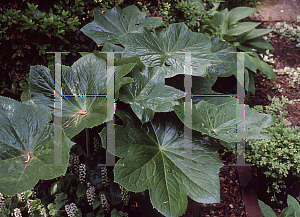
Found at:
[30, 28]
[230, 4]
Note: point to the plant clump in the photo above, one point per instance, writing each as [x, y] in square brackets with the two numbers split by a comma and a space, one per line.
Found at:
[279, 157]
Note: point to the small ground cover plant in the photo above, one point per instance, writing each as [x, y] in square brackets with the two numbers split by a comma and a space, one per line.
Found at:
[149, 129]
[279, 157]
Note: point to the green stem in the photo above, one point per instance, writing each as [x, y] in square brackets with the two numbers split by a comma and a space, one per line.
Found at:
[87, 141]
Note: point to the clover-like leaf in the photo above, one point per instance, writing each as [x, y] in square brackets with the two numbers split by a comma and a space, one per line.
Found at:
[166, 49]
[217, 117]
[155, 157]
[27, 146]
[149, 94]
[84, 88]
[114, 23]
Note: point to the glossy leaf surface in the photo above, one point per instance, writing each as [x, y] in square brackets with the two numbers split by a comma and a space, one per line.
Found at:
[153, 158]
[216, 117]
[114, 23]
[27, 146]
[149, 94]
[166, 47]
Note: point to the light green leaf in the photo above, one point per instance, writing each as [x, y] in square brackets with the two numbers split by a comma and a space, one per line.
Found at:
[165, 49]
[221, 21]
[153, 157]
[149, 94]
[265, 209]
[260, 43]
[293, 208]
[86, 79]
[216, 117]
[26, 135]
[254, 34]
[251, 84]
[239, 13]
[249, 63]
[240, 28]
[117, 22]
[264, 67]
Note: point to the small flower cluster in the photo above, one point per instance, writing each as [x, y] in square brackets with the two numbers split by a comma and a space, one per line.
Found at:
[33, 195]
[125, 214]
[74, 161]
[294, 74]
[30, 208]
[125, 195]
[104, 176]
[96, 143]
[82, 172]
[1, 201]
[90, 193]
[71, 209]
[21, 197]
[285, 30]
[104, 202]
[267, 58]
[17, 212]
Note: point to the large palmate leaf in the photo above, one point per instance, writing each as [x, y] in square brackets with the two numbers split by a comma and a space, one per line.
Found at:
[26, 135]
[154, 157]
[149, 94]
[114, 23]
[84, 89]
[216, 117]
[224, 51]
[166, 49]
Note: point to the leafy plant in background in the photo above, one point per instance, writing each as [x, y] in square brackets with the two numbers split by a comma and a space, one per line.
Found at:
[51, 23]
[293, 208]
[279, 157]
[245, 38]
[150, 114]
[230, 4]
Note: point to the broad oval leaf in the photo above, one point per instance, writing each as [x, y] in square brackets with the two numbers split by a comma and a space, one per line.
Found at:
[83, 88]
[217, 117]
[239, 13]
[293, 208]
[27, 146]
[114, 23]
[265, 209]
[221, 21]
[166, 49]
[149, 94]
[260, 43]
[264, 67]
[155, 156]
[254, 34]
[240, 28]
